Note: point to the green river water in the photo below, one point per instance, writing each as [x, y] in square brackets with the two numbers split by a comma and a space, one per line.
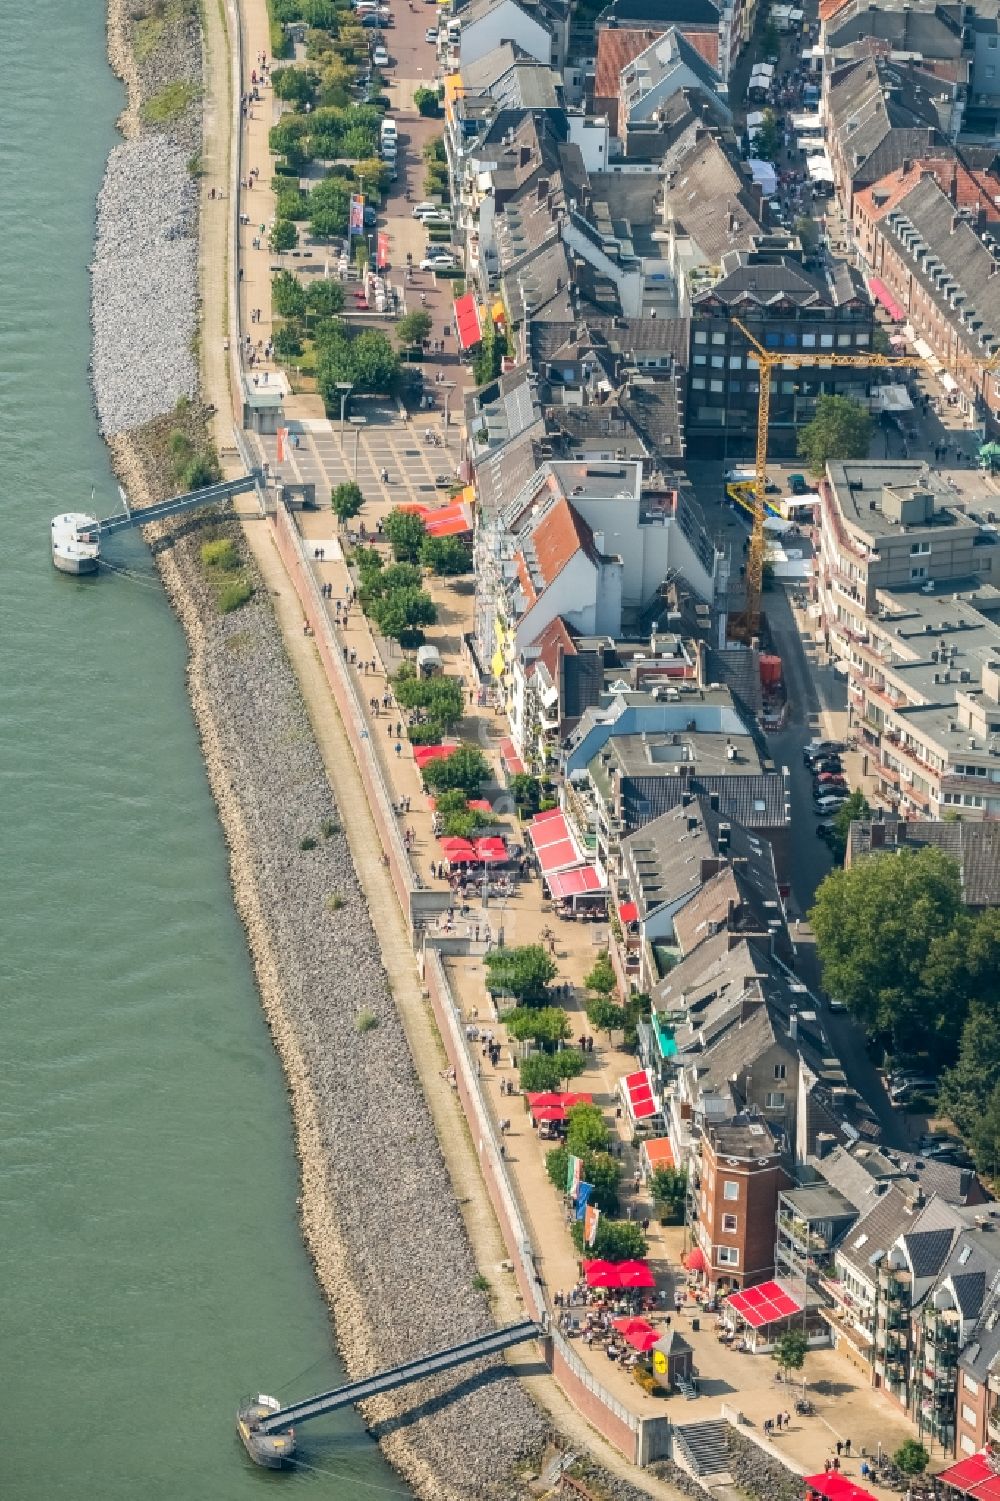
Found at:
[151, 1270]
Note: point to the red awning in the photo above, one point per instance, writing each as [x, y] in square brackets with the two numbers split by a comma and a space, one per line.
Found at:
[974, 1477]
[764, 1304]
[836, 1487]
[635, 1274]
[424, 754]
[618, 1274]
[452, 520]
[695, 1260]
[881, 294]
[559, 1100]
[639, 1094]
[467, 321]
[553, 843]
[511, 759]
[575, 882]
[628, 912]
[457, 846]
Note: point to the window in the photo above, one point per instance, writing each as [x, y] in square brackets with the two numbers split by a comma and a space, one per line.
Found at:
[729, 1224]
[715, 385]
[788, 388]
[790, 340]
[727, 1256]
[772, 339]
[736, 362]
[735, 387]
[774, 1100]
[718, 338]
[718, 362]
[968, 1444]
[862, 340]
[918, 573]
[970, 1383]
[990, 70]
[826, 341]
[701, 359]
[919, 548]
[697, 385]
[700, 337]
[968, 1415]
[808, 341]
[730, 1189]
[780, 1071]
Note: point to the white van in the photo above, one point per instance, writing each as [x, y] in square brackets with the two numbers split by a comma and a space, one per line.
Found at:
[387, 129]
[740, 476]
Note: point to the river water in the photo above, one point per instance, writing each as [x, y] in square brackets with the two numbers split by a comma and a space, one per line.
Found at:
[151, 1270]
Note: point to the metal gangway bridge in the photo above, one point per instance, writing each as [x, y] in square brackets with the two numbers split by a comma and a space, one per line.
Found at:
[193, 500]
[262, 1433]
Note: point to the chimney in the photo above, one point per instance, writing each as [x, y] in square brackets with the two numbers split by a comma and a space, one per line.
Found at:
[725, 830]
[542, 190]
[713, 801]
[525, 155]
[793, 1024]
[907, 166]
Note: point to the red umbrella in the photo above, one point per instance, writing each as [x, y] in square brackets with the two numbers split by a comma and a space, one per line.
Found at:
[462, 846]
[491, 851]
[644, 1339]
[548, 1113]
[601, 1274]
[463, 857]
[635, 1274]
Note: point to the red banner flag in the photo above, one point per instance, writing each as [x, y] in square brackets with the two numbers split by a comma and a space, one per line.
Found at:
[382, 250]
[282, 444]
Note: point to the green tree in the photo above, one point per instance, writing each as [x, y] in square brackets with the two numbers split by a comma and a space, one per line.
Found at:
[294, 85]
[586, 1130]
[599, 1169]
[604, 1014]
[875, 924]
[985, 1137]
[288, 296]
[770, 41]
[426, 101]
[856, 808]
[766, 143]
[373, 175]
[525, 972]
[434, 150]
[284, 236]
[967, 1087]
[602, 979]
[841, 429]
[466, 768]
[445, 556]
[406, 533]
[808, 232]
[287, 340]
[616, 1240]
[790, 1351]
[324, 299]
[401, 615]
[540, 1074]
[570, 1063]
[413, 328]
[329, 208]
[911, 1457]
[346, 500]
[545, 1026]
[669, 1189]
[374, 362]
[526, 791]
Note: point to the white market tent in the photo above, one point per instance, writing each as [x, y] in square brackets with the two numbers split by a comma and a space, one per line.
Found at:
[764, 176]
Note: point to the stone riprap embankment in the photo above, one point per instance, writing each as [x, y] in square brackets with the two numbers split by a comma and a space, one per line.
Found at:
[144, 294]
[379, 1209]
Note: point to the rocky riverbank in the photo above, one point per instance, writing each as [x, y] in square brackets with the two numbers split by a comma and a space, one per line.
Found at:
[378, 1208]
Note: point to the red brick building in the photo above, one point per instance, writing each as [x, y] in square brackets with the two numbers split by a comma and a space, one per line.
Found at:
[737, 1201]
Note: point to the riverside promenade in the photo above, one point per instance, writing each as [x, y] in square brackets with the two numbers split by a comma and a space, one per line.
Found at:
[402, 894]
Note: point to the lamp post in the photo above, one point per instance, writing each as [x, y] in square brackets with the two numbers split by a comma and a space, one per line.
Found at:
[345, 387]
[357, 423]
[447, 387]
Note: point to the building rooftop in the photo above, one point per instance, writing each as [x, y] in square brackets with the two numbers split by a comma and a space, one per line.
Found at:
[819, 1201]
[975, 846]
[747, 1137]
[894, 497]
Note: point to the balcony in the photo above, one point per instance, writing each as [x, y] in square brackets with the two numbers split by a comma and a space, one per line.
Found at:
[894, 1282]
[993, 1424]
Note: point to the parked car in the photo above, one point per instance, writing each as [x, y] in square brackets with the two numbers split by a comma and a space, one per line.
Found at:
[437, 220]
[372, 19]
[824, 806]
[825, 831]
[380, 57]
[824, 778]
[900, 1093]
[424, 208]
[822, 747]
[444, 481]
[438, 263]
[370, 218]
[827, 763]
[431, 34]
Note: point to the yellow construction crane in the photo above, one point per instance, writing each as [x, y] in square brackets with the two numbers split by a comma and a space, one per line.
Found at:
[747, 625]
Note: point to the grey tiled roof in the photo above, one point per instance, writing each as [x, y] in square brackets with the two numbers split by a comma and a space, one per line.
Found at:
[976, 847]
[927, 1250]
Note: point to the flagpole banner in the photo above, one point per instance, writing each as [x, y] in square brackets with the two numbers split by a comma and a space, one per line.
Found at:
[356, 222]
[382, 250]
[583, 1193]
[574, 1172]
[282, 444]
[591, 1219]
